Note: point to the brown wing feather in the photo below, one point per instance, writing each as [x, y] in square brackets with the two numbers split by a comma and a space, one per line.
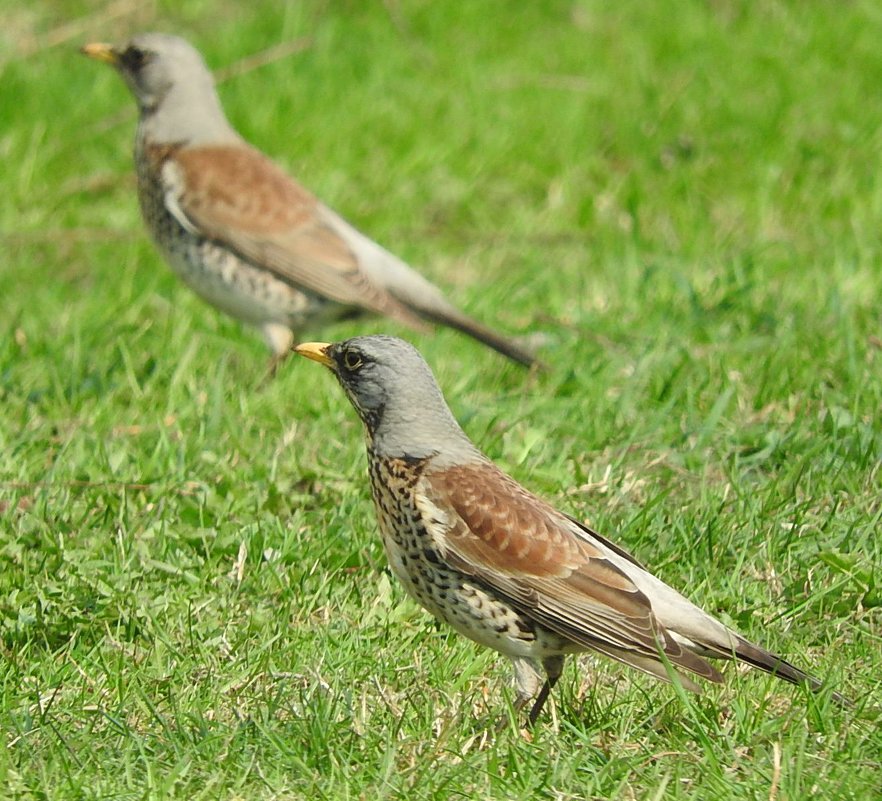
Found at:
[235, 195]
[523, 548]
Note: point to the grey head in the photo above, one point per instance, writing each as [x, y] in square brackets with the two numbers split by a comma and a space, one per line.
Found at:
[173, 87]
[396, 396]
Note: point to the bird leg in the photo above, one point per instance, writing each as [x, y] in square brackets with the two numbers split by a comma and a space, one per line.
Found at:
[280, 339]
[272, 368]
[527, 678]
[553, 668]
[527, 681]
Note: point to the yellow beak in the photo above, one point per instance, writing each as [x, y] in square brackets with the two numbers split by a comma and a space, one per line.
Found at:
[317, 351]
[100, 52]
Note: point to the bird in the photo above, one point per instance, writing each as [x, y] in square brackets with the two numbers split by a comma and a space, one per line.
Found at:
[502, 566]
[242, 233]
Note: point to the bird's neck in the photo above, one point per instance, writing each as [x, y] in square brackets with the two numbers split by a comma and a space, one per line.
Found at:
[186, 118]
[412, 434]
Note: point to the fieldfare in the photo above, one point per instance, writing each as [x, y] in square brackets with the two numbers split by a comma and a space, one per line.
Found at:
[243, 234]
[500, 565]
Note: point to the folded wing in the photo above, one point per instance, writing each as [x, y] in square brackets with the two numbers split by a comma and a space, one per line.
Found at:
[527, 552]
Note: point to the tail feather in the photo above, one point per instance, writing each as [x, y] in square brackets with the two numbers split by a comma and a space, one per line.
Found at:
[453, 318]
[756, 656]
[409, 296]
[765, 660]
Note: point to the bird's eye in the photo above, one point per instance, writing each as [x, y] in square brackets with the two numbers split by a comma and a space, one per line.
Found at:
[352, 360]
[133, 57]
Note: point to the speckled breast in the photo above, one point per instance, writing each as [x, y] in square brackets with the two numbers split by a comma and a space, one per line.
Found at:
[457, 599]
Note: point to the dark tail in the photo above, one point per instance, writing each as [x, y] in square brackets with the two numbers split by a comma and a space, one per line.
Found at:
[500, 343]
[767, 661]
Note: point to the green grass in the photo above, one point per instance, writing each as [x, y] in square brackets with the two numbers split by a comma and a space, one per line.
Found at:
[683, 196]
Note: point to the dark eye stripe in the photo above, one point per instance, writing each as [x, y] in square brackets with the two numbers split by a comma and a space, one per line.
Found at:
[134, 57]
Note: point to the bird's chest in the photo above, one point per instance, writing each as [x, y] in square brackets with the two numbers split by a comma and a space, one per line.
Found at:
[153, 197]
[418, 561]
[210, 270]
[409, 547]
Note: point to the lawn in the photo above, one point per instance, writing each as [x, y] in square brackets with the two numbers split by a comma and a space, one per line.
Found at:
[682, 198]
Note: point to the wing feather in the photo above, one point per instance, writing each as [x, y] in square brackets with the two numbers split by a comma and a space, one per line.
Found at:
[233, 194]
[522, 548]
